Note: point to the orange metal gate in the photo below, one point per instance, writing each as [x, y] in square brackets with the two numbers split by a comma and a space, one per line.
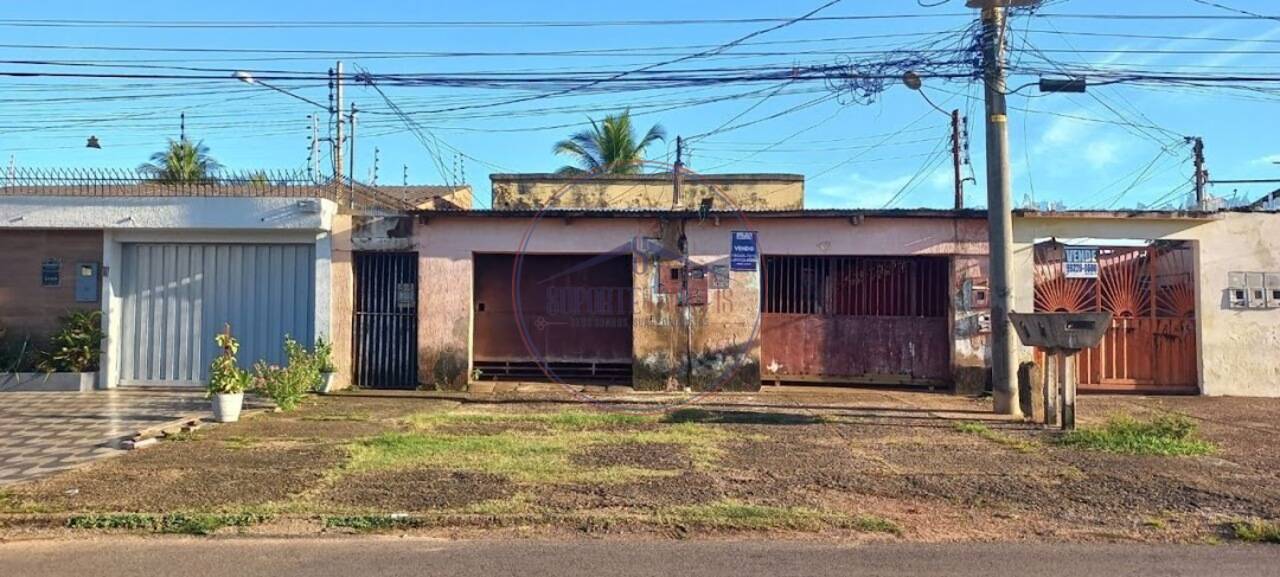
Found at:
[851, 319]
[1151, 346]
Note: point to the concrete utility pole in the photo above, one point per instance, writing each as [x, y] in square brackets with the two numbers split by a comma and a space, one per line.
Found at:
[677, 174]
[336, 111]
[351, 178]
[956, 159]
[1004, 357]
[1201, 178]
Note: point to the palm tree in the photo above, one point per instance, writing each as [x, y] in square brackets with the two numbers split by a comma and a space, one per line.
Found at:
[182, 161]
[609, 147]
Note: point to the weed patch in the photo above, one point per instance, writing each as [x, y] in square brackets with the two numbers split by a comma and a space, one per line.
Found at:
[369, 523]
[239, 443]
[729, 514]
[180, 523]
[1257, 531]
[694, 415]
[531, 457]
[981, 430]
[1166, 435]
[560, 421]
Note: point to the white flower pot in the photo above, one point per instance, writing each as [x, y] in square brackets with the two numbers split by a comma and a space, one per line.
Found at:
[226, 407]
[329, 382]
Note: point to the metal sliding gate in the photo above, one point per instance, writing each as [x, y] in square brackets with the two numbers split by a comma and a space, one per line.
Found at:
[177, 296]
[855, 319]
[386, 320]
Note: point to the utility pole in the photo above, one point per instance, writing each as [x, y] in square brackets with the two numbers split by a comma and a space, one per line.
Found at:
[956, 159]
[336, 111]
[376, 153]
[676, 197]
[1004, 358]
[405, 176]
[182, 126]
[313, 149]
[351, 174]
[1201, 177]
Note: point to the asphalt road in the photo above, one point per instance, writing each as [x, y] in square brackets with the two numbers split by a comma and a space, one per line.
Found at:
[349, 557]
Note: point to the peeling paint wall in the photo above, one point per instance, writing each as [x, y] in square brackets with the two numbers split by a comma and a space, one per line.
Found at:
[963, 240]
[747, 193]
[446, 273]
[711, 344]
[1237, 348]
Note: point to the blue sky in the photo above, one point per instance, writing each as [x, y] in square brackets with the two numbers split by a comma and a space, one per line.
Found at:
[1116, 147]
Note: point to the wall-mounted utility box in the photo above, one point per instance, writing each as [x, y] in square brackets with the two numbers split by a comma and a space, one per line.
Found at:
[1271, 287]
[87, 282]
[1253, 290]
[978, 297]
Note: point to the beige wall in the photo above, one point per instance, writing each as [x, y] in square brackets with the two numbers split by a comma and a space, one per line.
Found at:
[1237, 347]
[26, 307]
[342, 298]
[741, 192]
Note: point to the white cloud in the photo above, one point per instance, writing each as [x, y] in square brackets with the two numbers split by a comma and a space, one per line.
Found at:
[1269, 159]
[1101, 153]
[1063, 131]
[859, 191]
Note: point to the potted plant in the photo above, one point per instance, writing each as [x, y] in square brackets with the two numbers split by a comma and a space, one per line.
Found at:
[227, 381]
[323, 356]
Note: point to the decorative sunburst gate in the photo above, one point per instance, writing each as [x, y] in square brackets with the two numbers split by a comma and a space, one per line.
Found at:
[1151, 346]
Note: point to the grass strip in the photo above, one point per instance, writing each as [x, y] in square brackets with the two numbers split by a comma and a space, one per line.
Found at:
[1165, 435]
[179, 523]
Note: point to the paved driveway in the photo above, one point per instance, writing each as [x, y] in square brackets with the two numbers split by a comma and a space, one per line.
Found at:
[41, 433]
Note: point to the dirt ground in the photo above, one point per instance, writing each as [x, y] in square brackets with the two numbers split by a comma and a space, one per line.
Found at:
[804, 462]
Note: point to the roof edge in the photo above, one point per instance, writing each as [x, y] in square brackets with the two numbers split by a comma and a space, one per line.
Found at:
[658, 177]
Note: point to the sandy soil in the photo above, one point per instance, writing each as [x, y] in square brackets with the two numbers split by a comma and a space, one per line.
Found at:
[884, 454]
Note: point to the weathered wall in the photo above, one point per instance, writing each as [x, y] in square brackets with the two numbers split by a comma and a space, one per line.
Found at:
[26, 307]
[746, 192]
[445, 247]
[722, 334]
[342, 298]
[964, 240]
[1236, 347]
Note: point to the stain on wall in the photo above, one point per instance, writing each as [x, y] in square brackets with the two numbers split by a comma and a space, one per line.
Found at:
[746, 192]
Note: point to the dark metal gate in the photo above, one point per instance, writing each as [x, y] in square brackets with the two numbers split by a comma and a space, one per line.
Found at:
[854, 319]
[573, 323]
[386, 320]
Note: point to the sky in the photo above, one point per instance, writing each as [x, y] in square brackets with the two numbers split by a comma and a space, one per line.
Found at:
[1118, 146]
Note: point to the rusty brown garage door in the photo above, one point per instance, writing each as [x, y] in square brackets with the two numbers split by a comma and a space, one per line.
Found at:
[853, 319]
[576, 313]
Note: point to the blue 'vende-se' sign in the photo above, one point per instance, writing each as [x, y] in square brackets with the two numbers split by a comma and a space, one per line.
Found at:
[744, 252]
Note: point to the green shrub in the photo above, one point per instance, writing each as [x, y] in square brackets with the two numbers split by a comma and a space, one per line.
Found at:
[76, 347]
[1168, 435]
[16, 355]
[225, 374]
[289, 385]
[324, 356]
[1257, 531]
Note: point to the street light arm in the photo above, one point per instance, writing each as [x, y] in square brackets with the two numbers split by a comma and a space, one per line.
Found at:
[287, 93]
[935, 106]
[248, 78]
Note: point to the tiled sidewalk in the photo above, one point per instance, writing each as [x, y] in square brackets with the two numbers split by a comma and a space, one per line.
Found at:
[41, 433]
